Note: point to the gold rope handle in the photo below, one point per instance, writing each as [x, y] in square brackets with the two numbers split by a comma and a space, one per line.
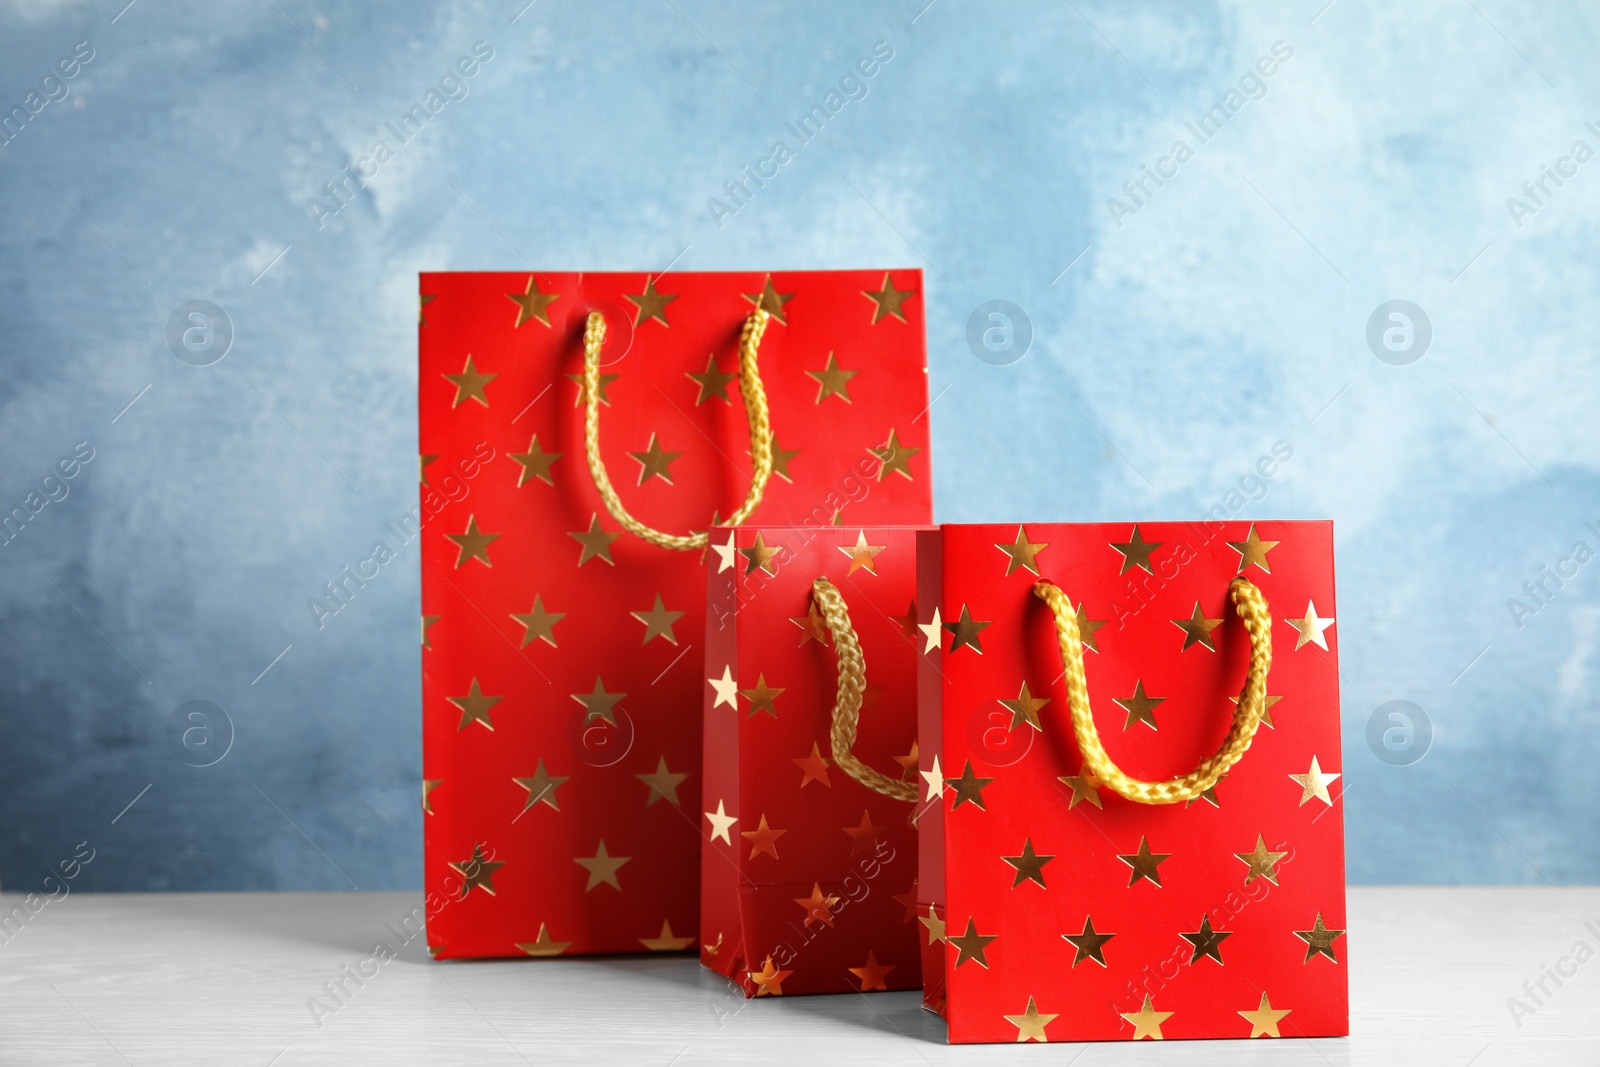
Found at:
[1252, 609]
[852, 683]
[755, 406]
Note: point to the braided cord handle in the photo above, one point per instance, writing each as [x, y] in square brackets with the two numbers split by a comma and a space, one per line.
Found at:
[755, 406]
[1251, 607]
[852, 683]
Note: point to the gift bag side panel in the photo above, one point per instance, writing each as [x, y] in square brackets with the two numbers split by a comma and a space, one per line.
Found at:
[930, 732]
[722, 936]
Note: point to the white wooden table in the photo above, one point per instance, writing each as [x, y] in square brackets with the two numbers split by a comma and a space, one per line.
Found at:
[227, 978]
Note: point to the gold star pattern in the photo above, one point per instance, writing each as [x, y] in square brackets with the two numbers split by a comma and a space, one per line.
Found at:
[599, 704]
[771, 301]
[1262, 863]
[965, 631]
[894, 456]
[1197, 629]
[811, 626]
[1141, 707]
[602, 867]
[1029, 865]
[538, 624]
[658, 622]
[423, 300]
[762, 697]
[595, 541]
[1206, 941]
[605, 380]
[427, 624]
[861, 554]
[541, 788]
[908, 900]
[763, 839]
[908, 762]
[655, 462]
[535, 463]
[1088, 945]
[1023, 553]
[780, 460]
[1087, 628]
[769, 980]
[908, 621]
[818, 906]
[760, 555]
[971, 946]
[721, 822]
[422, 467]
[1265, 1018]
[969, 787]
[1084, 786]
[863, 835]
[663, 784]
[930, 631]
[1136, 552]
[933, 924]
[1315, 783]
[470, 384]
[543, 945]
[1146, 1021]
[814, 768]
[475, 706]
[532, 304]
[666, 942]
[726, 688]
[1025, 708]
[871, 973]
[712, 381]
[428, 786]
[477, 872]
[1311, 627]
[1319, 940]
[832, 380]
[726, 553]
[1144, 863]
[888, 300]
[1208, 795]
[474, 544]
[651, 304]
[1253, 550]
[1031, 1023]
[1266, 711]
[934, 777]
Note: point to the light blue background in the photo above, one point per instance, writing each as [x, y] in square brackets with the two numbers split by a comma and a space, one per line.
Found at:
[1226, 313]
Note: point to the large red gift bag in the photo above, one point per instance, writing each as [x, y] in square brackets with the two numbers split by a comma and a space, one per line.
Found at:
[808, 868]
[1131, 824]
[578, 432]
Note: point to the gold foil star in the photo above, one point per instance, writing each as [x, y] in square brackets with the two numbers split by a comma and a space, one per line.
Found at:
[477, 872]
[863, 835]
[541, 788]
[1146, 1021]
[475, 706]
[1025, 708]
[543, 945]
[1087, 628]
[888, 300]
[771, 301]
[763, 839]
[535, 463]
[818, 906]
[474, 544]
[969, 787]
[422, 467]
[812, 627]
[871, 973]
[1311, 627]
[832, 380]
[930, 631]
[1262, 863]
[595, 541]
[908, 762]
[1197, 629]
[933, 924]
[908, 621]
[428, 786]
[971, 946]
[762, 697]
[894, 456]
[470, 384]
[599, 704]
[712, 381]
[726, 554]
[1084, 786]
[655, 462]
[769, 980]
[605, 380]
[908, 901]
[666, 942]
[760, 556]
[532, 304]
[651, 304]
[423, 300]
[1253, 550]
[1145, 864]
[965, 631]
[1031, 1023]
[538, 624]
[721, 822]
[1266, 711]
[861, 554]
[1023, 553]
[780, 460]
[1315, 783]
[1265, 1018]
[934, 777]
[813, 768]
[658, 622]
[1029, 865]
[1141, 707]
[1206, 941]
[1136, 552]
[1319, 940]
[427, 624]
[727, 689]
[1208, 795]
[1088, 945]
[663, 783]
[602, 867]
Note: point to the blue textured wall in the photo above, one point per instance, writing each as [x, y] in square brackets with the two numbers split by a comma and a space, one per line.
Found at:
[1177, 334]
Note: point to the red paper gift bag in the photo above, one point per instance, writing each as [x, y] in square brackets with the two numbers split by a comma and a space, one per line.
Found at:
[808, 867]
[576, 430]
[1132, 822]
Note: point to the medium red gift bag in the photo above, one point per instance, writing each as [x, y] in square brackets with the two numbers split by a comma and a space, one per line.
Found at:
[808, 867]
[575, 431]
[1131, 823]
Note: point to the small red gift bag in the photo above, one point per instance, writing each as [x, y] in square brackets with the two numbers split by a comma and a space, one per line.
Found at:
[1132, 825]
[808, 867]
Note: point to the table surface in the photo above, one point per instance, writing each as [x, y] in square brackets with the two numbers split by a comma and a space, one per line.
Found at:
[230, 979]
